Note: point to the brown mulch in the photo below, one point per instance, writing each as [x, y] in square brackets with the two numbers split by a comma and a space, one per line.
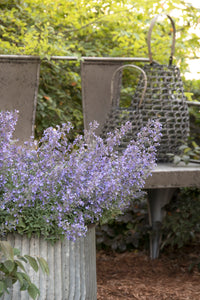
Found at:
[132, 275]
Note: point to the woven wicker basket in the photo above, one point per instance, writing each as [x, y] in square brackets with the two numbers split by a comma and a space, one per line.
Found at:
[159, 95]
[118, 115]
[164, 99]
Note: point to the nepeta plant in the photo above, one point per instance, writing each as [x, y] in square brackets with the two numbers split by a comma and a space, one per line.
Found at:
[56, 188]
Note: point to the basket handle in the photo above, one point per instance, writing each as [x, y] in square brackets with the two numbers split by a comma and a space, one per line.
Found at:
[114, 101]
[173, 38]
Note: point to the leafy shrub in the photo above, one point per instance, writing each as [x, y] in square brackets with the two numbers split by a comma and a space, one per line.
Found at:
[59, 97]
[193, 94]
[182, 222]
[187, 153]
[130, 230]
[127, 231]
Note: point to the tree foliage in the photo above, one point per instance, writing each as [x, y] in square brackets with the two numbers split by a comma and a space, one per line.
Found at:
[89, 28]
[181, 225]
[92, 27]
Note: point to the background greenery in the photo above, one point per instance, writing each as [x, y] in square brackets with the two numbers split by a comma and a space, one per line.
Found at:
[89, 28]
[95, 28]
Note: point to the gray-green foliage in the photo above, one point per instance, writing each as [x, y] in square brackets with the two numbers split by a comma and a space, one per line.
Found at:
[12, 270]
[188, 153]
[193, 93]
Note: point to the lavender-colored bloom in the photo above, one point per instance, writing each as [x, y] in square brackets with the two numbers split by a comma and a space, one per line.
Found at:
[70, 185]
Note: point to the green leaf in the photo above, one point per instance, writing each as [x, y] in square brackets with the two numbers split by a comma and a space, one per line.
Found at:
[130, 226]
[186, 158]
[33, 291]
[22, 258]
[2, 287]
[21, 223]
[177, 159]
[187, 149]
[32, 261]
[194, 144]
[20, 278]
[43, 265]
[9, 265]
[26, 277]
[20, 265]
[183, 147]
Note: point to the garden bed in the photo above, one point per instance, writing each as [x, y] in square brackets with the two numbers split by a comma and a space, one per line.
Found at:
[132, 275]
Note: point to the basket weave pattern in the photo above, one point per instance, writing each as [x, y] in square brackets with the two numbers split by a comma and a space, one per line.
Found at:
[165, 100]
[118, 115]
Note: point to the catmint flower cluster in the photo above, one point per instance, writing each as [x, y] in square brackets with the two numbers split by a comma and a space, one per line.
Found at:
[56, 186]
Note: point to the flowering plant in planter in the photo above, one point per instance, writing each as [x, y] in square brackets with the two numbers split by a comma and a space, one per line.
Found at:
[55, 188]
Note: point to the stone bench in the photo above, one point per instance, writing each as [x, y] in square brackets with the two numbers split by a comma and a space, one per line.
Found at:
[165, 180]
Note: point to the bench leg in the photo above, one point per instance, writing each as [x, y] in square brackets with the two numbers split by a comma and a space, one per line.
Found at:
[157, 199]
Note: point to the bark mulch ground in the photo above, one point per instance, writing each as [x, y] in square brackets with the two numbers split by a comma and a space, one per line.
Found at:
[132, 275]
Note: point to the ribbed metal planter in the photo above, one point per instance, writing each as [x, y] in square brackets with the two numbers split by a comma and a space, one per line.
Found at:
[72, 268]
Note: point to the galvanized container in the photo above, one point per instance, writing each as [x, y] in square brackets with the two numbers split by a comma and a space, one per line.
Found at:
[72, 268]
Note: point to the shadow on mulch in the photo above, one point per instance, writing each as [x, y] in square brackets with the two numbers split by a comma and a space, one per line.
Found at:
[132, 275]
